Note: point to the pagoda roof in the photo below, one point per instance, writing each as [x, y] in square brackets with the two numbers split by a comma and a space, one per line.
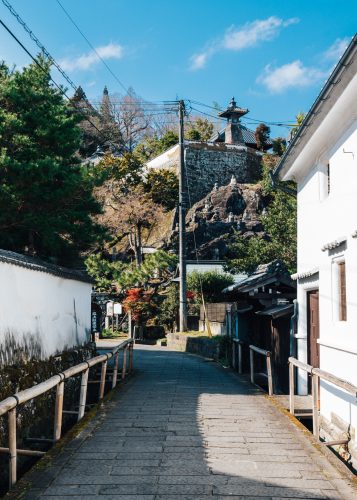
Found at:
[248, 137]
[233, 110]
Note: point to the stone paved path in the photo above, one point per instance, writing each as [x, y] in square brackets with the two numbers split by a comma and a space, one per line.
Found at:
[184, 428]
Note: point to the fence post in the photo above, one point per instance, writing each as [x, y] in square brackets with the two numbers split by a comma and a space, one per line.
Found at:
[12, 447]
[240, 367]
[83, 394]
[315, 408]
[291, 388]
[115, 371]
[131, 354]
[123, 371]
[270, 376]
[102, 379]
[58, 411]
[234, 355]
[251, 358]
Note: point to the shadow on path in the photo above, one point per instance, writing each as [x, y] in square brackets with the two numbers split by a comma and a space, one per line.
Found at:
[184, 428]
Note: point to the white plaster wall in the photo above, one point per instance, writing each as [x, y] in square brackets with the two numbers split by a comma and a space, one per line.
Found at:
[322, 219]
[53, 309]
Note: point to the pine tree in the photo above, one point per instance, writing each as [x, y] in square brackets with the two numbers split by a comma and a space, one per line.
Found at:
[46, 202]
[91, 135]
[111, 138]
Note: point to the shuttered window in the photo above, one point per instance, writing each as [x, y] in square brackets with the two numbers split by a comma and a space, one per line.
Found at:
[342, 291]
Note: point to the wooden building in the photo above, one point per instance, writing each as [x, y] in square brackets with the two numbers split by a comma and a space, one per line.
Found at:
[262, 314]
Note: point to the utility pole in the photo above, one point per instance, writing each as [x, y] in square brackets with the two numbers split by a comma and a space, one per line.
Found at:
[182, 223]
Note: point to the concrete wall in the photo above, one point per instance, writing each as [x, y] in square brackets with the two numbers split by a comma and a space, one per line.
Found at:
[40, 312]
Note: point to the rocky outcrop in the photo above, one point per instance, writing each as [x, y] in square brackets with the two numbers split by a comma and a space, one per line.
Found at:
[224, 211]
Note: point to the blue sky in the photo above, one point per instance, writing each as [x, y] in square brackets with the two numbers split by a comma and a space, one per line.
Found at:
[273, 56]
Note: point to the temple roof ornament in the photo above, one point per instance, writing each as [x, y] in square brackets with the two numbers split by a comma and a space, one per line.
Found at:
[233, 112]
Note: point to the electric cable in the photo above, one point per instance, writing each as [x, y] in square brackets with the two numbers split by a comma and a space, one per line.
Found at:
[38, 43]
[127, 91]
[253, 120]
[59, 87]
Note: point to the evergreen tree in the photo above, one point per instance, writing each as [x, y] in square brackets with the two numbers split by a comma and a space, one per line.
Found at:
[200, 129]
[279, 224]
[154, 146]
[46, 199]
[262, 136]
[111, 138]
[163, 187]
[90, 125]
[279, 146]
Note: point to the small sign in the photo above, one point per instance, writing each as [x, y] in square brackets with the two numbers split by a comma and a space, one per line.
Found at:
[110, 308]
[118, 309]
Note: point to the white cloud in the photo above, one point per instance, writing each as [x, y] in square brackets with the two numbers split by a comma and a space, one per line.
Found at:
[335, 51]
[85, 61]
[198, 61]
[293, 74]
[254, 32]
[248, 35]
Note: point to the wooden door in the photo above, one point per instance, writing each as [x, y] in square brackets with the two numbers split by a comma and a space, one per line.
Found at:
[313, 330]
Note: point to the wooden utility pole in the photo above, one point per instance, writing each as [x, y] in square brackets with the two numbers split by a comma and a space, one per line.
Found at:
[182, 223]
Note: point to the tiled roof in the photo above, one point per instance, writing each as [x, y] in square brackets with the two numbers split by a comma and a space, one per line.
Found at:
[36, 264]
[248, 136]
[277, 311]
[263, 275]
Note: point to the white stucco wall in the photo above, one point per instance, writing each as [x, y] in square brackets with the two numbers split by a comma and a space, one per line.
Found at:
[324, 218]
[53, 311]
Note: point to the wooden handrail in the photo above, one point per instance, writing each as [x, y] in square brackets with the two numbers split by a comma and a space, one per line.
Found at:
[316, 374]
[300, 364]
[267, 354]
[9, 404]
[260, 351]
[38, 389]
[338, 382]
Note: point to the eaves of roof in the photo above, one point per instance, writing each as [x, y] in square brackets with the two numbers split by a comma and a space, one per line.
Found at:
[251, 284]
[342, 74]
[277, 311]
[39, 265]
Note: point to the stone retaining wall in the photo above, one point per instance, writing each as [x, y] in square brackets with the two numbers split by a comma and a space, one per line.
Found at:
[204, 346]
[207, 164]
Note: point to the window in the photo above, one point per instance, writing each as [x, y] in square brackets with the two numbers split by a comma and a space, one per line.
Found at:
[342, 291]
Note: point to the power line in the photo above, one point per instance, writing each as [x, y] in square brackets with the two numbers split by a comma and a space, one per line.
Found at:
[59, 87]
[252, 120]
[38, 43]
[93, 48]
[53, 61]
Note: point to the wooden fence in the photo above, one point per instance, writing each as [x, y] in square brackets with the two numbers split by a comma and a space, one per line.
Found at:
[8, 406]
[237, 359]
[267, 354]
[316, 375]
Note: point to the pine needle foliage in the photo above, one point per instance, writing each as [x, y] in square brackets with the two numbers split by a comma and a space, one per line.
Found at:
[46, 202]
